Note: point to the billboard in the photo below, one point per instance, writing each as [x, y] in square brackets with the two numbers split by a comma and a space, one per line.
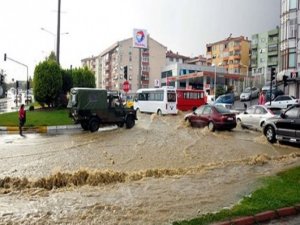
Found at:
[140, 38]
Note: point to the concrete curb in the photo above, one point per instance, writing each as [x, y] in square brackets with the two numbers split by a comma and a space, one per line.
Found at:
[39, 129]
[263, 217]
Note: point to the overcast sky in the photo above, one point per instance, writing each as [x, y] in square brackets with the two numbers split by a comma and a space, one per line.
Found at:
[183, 26]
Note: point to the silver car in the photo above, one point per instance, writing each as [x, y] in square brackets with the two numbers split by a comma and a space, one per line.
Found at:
[249, 93]
[255, 116]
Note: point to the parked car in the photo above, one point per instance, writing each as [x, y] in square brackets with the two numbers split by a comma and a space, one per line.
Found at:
[275, 92]
[213, 116]
[267, 86]
[255, 116]
[249, 93]
[227, 98]
[283, 101]
[285, 128]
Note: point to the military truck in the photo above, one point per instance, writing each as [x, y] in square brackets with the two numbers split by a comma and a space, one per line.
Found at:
[92, 107]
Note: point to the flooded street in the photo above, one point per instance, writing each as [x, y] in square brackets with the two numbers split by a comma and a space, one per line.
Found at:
[158, 172]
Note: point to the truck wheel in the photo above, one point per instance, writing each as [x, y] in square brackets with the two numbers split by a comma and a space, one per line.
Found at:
[130, 122]
[159, 112]
[94, 124]
[84, 124]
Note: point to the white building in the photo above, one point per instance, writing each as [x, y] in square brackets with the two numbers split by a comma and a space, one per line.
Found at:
[290, 46]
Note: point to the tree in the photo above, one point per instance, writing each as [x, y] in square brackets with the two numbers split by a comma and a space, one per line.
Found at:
[47, 82]
[219, 91]
[83, 77]
[67, 80]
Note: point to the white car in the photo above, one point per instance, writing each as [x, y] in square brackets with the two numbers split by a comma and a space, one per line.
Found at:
[283, 101]
[249, 93]
[256, 115]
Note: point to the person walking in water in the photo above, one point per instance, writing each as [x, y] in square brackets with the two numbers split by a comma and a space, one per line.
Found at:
[22, 118]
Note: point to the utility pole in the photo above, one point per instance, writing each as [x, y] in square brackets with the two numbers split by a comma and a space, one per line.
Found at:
[58, 32]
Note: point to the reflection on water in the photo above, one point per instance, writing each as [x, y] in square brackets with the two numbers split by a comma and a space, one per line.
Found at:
[160, 171]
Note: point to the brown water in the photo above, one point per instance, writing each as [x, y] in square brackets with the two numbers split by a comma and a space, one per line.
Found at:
[160, 171]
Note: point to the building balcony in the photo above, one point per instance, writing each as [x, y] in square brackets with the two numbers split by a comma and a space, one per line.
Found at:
[145, 73]
[273, 63]
[272, 53]
[145, 83]
[145, 54]
[254, 56]
[237, 56]
[254, 46]
[273, 41]
[237, 47]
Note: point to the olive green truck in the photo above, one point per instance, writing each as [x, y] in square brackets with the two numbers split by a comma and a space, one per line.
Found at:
[93, 107]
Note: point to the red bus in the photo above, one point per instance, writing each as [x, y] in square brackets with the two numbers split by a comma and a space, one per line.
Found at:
[189, 99]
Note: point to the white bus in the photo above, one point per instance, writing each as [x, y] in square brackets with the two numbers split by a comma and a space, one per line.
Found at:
[156, 100]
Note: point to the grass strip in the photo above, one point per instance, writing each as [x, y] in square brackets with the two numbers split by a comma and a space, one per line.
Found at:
[41, 117]
[278, 191]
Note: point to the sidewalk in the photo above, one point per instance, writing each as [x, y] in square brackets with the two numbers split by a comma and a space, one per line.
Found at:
[39, 129]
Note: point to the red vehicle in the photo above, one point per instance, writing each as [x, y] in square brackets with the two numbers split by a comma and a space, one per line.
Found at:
[213, 116]
[189, 99]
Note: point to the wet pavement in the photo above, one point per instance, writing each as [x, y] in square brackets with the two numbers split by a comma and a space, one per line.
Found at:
[158, 172]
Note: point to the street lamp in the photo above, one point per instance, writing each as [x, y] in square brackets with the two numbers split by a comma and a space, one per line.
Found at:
[215, 79]
[247, 76]
[54, 35]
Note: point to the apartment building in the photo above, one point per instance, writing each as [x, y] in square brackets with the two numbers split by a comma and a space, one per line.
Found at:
[143, 65]
[265, 53]
[289, 46]
[172, 57]
[231, 53]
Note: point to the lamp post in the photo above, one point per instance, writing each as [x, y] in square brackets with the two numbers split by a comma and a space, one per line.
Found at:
[54, 36]
[215, 79]
[247, 76]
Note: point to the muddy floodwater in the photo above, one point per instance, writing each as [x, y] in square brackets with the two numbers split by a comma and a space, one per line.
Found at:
[158, 172]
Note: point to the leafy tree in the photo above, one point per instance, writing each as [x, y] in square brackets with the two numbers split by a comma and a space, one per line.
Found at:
[83, 77]
[47, 82]
[52, 56]
[219, 91]
[67, 81]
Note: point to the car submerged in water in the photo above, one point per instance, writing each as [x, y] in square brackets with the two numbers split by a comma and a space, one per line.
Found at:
[215, 117]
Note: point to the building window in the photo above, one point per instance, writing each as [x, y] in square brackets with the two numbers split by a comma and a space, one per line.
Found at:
[293, 4]
[292, 28]
[292, 58]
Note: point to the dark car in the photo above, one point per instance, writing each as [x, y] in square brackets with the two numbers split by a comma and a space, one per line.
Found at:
[275, 92]
[213, 116]
[227, 99]
[285, 128]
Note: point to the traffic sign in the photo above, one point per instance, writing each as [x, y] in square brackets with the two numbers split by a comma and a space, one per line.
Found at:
[126, 86]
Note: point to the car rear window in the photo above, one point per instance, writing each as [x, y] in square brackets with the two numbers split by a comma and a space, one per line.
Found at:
[276, 111]
[222, 109]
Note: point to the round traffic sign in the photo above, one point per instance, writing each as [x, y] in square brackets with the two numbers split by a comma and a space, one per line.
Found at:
[126, 86]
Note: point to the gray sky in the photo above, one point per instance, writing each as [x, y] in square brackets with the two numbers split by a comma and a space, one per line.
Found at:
[185, 26]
